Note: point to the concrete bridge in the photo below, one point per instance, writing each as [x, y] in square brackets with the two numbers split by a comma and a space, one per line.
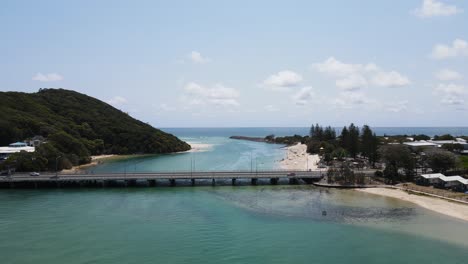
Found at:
[152, 178]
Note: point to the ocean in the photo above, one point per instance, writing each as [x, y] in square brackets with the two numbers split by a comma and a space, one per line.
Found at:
[222, 224]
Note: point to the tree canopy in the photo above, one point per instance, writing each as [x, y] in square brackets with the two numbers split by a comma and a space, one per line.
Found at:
[77, 126]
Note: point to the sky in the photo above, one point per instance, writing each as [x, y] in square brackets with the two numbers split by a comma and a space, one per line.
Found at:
[247, 63]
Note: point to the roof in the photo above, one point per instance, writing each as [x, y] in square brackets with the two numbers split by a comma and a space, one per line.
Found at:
[432, 175]
[442, 142]
[444, 178]
[421, 143]
[10, 150]
[18, 144]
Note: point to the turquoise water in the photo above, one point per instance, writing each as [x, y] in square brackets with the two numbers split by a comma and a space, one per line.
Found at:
[263, 224]
[222, 224]
[220, 153]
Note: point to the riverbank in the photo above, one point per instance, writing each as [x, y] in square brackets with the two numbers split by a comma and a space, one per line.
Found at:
[453, 209]
[297, 158]
[95, 160]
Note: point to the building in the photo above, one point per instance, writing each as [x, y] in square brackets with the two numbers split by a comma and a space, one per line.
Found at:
[439, 180]
[14, 148]
[417, 145]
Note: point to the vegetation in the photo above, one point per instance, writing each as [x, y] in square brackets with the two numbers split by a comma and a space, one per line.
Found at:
[464, 162]
[400, 163]
[440, 160]
[351, 143]
[75, 126]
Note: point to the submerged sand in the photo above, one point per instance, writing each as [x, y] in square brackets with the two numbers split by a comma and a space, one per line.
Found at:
[453, 209]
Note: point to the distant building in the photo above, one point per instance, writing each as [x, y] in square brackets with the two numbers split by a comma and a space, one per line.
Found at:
[437, 143]
[14, 148]
[414, 145]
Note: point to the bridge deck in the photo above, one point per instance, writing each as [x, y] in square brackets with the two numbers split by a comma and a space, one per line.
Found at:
[166, 176]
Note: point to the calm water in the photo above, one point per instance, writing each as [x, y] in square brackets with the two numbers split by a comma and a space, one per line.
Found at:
[223, 224]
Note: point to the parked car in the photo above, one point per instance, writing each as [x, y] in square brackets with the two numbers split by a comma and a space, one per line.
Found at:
[35, 174]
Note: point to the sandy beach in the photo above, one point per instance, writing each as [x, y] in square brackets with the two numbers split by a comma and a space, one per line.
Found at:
[297, 158]
[199, 147]
[449, 208]
[95, 160]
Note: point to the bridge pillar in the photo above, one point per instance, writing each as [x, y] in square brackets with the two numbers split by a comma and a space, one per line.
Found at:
[293, 181]
[274, 181]
[254, 181]
[172, 182]
[213, 182]
[152, 183]
[35, 185]
[233, 181]
[192, 181]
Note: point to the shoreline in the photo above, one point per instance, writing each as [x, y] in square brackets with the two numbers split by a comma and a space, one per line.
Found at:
[441, 206]
[95, 160]
[98, 159]
[297, 158]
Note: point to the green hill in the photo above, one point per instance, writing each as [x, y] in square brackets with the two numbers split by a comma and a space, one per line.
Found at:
[77, 126]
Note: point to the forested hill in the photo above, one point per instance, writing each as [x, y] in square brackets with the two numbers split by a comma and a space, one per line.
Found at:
[78, 124]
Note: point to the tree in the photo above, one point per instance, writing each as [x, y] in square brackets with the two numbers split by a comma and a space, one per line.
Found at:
[440, 160]
[444, 137]
[344, 138]
[397, 157]
[453, 147]
[329, 134]
[316, 132]
[353, 147]
[369, 144]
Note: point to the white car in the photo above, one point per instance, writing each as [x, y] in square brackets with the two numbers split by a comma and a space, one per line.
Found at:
[34, 174]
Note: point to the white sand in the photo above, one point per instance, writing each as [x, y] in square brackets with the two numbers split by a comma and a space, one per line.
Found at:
[296, 158]
[95, 160]
[199, 147]
[449, 208]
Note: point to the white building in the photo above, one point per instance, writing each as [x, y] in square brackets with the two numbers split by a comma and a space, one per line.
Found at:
[14, 148]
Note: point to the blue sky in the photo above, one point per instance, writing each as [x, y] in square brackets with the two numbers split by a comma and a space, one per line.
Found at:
[247, 63]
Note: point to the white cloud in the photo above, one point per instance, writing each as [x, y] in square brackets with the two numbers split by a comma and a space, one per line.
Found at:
[450, 89]
[433, 8]
[196, 57]
[451, 94]
[458, 48]
[166, 108]
[390, 79]
[283, 79]
[352, 77]
[351, 82]
[117, 101]
[447, 75]
[48, 77]
[337, 68]
[271, 108]
[349, 100]
[303, 96]
[397, 107]
[216, 95]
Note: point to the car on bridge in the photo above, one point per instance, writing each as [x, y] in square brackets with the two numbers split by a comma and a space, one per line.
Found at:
[291, 174]
[34, 174]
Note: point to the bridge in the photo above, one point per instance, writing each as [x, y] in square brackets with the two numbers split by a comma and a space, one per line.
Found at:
[153, 178]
